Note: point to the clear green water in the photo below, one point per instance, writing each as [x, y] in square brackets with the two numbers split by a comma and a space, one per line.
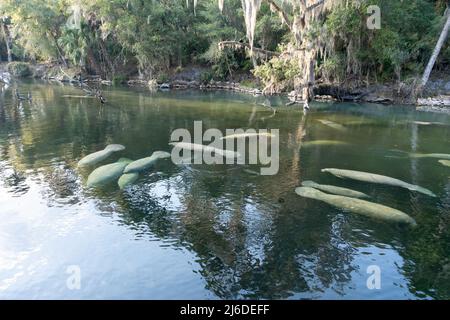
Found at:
[214, 231]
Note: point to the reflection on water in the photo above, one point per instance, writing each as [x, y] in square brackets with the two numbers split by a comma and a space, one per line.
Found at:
[197, 231]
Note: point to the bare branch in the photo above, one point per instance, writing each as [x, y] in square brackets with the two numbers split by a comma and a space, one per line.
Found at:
[315, 5]
[283, 15]
[237, 44]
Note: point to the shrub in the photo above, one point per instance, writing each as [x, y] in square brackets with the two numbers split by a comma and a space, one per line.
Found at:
[278, 74]
[206, 77]
[119, 79]
[19, 69]
[162, 78]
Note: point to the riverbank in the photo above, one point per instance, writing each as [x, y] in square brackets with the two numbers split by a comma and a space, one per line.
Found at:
[435, 97]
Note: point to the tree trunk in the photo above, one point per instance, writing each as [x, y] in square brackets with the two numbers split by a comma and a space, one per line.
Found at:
[7, 38]
[58, 48]
[436, 51]
[107, 58]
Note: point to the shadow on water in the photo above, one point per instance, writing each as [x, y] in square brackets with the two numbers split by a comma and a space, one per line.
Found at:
[252, 236]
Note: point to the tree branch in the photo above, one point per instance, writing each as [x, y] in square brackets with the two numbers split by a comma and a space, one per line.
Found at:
[315, 5]
[283, 15]
[237, 44]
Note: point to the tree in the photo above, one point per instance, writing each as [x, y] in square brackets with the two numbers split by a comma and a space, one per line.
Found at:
[4, 21]
[437, 49]
[305, 47]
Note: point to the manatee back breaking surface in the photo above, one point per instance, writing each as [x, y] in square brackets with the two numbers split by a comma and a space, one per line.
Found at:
[127, 179]
[376, 178]
[115, 147]
[161, 154]
[309, 192]
[107, 173]
[362, 207]
[204, 148]
[335, 190]
[96, 157]
[145, 163]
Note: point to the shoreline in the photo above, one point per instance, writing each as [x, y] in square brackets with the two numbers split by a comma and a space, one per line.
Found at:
[438, 99]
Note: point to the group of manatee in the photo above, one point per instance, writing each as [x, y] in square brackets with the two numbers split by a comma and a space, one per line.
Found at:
[126, 171]
[351, 200]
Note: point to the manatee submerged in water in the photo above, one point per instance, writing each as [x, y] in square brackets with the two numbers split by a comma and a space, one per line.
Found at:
[203, 148]
[402, 153]
[145, 163]
[107, 173]
[335, 190]
[247, 135]
[376, 178]
[324, 143]
[333, 125]
[426, 123]
[101, 155]
[430, 155]
[445, 162]
[127, 179]
[358, 206]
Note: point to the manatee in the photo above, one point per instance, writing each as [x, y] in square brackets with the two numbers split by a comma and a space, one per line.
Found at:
[376, 178]
[333, 125]
[430, 155]
[98, 156]
[107, 173]
[127, 179]
[361, 123]
[335, 190]
[358, 206]
[445, 162]
[426, 123]
[203, 148]
[247, 135]
[324, 143]
[145, 163]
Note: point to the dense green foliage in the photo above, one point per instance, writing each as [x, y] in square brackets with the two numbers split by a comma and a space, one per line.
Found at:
[352, 52]
[120, 38]
[19, 69]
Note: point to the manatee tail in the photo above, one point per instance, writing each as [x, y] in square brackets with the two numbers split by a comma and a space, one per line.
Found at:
[115, 147]
[422, 190]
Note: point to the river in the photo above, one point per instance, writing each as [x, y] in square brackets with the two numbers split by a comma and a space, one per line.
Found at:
[215, 231]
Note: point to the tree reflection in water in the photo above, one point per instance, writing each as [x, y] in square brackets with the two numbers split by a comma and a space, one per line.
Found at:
[252, 235]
